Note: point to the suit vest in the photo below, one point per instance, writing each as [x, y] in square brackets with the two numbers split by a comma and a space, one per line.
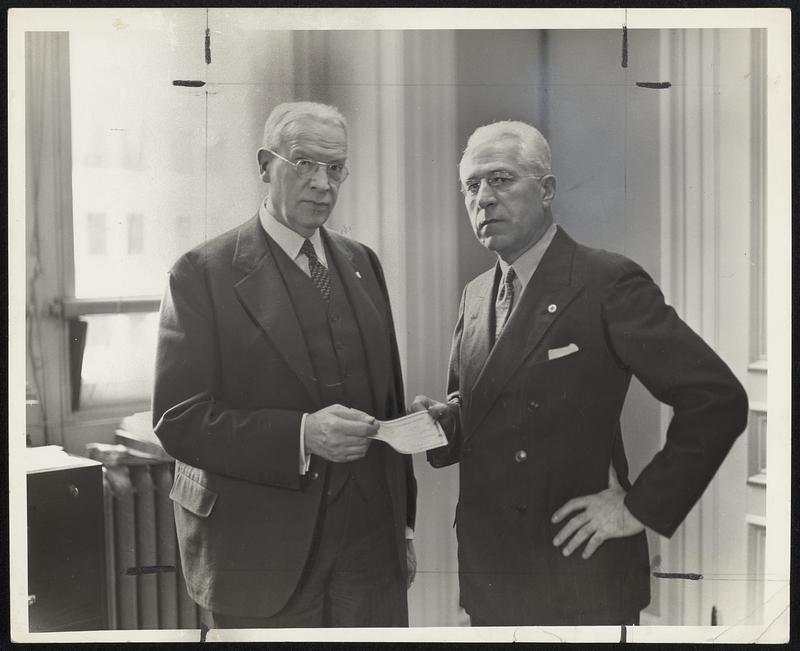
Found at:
[336, 349]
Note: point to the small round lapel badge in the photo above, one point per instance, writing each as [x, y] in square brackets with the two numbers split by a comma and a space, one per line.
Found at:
[551, 308]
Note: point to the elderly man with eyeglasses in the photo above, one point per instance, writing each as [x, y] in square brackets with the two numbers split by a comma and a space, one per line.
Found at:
[276, 355]
[550, 530]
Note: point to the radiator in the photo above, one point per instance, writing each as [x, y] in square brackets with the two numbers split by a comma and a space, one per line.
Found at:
[146, 589]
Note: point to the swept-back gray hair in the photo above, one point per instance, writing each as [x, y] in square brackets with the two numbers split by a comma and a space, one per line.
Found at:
[285, 114]
[534, 152]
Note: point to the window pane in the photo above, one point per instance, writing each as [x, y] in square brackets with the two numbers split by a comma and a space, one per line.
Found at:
[181, 160]
[168, 166]
[96, 233]
[138, 151]
[135, 234]
[118, 359]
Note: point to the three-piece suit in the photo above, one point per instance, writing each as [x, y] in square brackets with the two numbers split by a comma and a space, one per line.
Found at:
[247, 345]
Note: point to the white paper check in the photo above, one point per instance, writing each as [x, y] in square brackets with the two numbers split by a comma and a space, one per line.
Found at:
[411, 434]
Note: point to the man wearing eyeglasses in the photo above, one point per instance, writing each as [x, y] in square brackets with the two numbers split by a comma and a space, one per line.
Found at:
[276, 355]
[550, 530]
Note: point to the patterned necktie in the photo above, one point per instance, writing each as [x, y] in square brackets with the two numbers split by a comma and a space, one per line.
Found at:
[505, 299]
[319, 274]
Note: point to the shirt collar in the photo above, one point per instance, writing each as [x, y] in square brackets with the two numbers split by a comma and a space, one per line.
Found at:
[287, 239]
[526, 264]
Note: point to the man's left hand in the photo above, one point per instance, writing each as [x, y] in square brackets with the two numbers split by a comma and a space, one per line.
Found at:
[411, 559]
[603, 516]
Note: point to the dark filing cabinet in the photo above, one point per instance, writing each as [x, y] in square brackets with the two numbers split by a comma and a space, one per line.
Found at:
[66, 542]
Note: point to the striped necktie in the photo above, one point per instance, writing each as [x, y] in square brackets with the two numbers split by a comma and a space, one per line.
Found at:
[504, 302]
[319, 274]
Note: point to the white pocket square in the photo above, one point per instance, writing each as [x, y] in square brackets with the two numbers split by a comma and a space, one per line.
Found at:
[555, 353]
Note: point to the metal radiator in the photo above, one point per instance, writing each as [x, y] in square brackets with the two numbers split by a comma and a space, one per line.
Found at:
[146, 589]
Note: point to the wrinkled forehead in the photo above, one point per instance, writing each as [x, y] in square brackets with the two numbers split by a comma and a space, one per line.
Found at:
[491, 154]
[310, 135]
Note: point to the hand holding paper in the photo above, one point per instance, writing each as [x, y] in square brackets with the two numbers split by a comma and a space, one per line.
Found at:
[412, 434]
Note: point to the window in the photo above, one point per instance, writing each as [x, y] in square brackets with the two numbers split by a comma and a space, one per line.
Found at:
[96, 233]
[135, 234]
[150, 170]
[131, 169]
[118, 342]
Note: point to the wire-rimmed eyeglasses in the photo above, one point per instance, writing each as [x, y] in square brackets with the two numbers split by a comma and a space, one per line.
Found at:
[305, 167]
[498, 181]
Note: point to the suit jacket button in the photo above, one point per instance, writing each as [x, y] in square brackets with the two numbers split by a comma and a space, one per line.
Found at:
[533, 405]
[314, 476]
[520, 456]
[522, 508]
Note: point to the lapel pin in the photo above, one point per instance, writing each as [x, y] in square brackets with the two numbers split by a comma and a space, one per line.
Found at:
[551, 308]
[358, 275]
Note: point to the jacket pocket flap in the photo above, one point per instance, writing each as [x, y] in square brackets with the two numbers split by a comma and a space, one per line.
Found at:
[192, 495]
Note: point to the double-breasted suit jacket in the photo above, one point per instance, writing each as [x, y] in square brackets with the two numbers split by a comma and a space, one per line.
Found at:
[539, 424]
[233, 379]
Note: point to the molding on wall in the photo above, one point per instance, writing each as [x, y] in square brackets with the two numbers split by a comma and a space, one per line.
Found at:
[690, 263]
[758, 227]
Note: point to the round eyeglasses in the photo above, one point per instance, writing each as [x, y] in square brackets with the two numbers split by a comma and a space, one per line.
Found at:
[305, 167]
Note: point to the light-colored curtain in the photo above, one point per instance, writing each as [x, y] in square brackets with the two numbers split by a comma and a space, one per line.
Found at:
[397, 90]
[48, 207]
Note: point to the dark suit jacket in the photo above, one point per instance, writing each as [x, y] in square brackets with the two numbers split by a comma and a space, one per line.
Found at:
[233, 378]
[533, 433]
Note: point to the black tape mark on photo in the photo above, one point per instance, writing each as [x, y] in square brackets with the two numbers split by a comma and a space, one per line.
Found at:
[678, 575]
[658, 85]
[149, 569]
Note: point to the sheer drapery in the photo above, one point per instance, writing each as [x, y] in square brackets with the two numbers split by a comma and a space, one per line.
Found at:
[48, 190]
[396, 88]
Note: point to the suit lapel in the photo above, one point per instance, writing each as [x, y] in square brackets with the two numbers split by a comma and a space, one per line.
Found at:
[364, 294]
[544, 300]
[263, 294]
[477, 338]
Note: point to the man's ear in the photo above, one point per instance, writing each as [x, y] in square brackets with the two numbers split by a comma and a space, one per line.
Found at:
[264, 158]
[548, 190]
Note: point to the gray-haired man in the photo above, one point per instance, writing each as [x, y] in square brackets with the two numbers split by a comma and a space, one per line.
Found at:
[273, 364]
[550, 530]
